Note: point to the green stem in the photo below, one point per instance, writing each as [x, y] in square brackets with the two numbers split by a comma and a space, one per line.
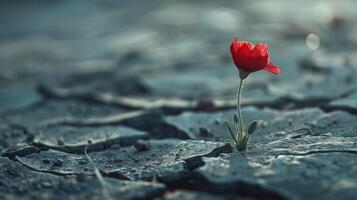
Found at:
[239, 92]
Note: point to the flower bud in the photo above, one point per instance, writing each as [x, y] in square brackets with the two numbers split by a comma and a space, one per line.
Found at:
[235, 118]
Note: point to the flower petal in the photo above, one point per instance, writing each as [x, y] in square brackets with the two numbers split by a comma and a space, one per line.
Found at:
[252, 57]
[260, 49]
[272, 68]
[245, 48]
[234, 50]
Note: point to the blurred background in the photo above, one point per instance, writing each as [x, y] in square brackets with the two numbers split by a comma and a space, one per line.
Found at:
[176, 49]
[79, 73]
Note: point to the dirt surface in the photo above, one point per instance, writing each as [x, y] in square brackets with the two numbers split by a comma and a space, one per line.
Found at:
[144, 87]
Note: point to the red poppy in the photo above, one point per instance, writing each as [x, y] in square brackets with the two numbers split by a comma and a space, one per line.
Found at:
[252, 58]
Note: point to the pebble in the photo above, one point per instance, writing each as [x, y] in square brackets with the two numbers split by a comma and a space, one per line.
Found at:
[142, 145]
[60, 142]
[203, 131]
[290, 121]
[57, 163]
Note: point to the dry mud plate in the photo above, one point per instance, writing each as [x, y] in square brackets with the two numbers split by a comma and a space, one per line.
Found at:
[144, 89]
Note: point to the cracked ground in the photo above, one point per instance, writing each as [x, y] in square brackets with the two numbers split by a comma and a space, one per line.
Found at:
[144, 87]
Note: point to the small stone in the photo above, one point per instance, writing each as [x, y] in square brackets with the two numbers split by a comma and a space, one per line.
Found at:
[203, 131]
[57, 163]
[142, 145]
[46, 161]
[290, 121]
[60, 142]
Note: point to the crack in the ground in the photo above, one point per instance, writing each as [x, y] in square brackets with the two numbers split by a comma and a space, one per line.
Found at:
[177, 106]
[149, 118]
[37, 170]
[332, 108]
[115, 176]
[109, 120]
[198, 183]
[193, 181]
[317, 152]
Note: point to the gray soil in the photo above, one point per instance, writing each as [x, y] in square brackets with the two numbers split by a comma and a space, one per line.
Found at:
[145, 87]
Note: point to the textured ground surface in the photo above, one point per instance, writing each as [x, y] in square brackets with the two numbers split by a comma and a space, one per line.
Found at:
[145, 87]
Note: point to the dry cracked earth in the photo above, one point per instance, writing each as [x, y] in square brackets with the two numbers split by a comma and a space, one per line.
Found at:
[145, 88]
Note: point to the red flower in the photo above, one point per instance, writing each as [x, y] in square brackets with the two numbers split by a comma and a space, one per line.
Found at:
[252, 58]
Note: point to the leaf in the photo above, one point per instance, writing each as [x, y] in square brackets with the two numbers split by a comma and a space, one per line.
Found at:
[235, 118]
[230, 131]
[252, 127]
